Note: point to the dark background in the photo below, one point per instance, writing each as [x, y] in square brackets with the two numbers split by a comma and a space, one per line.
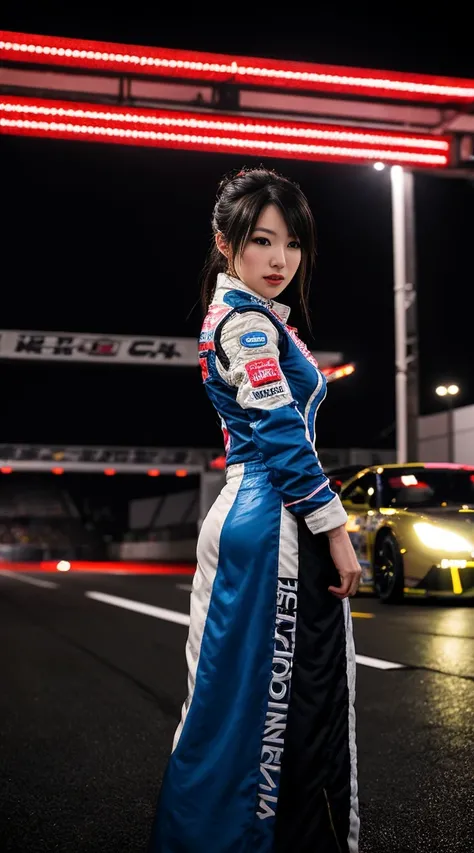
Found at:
[112, 239]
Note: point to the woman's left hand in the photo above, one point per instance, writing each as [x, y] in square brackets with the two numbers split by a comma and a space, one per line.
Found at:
[345, 560]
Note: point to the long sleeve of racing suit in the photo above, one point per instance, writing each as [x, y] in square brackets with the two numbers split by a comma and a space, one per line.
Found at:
[278, 428]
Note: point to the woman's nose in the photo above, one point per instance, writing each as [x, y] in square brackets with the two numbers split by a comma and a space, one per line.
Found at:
[279, 259]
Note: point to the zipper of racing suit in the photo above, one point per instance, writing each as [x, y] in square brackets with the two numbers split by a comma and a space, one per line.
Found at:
[331, 820]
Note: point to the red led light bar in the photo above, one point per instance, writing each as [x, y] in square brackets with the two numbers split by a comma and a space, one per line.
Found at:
[222, 68]
[126, 567]
[332, 373]
[225, 134]
[218, 464]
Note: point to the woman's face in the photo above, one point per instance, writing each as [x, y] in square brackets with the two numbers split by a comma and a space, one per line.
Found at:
[270, 257]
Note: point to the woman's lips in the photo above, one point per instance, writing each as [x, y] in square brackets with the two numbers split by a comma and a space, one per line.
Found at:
[273, 279]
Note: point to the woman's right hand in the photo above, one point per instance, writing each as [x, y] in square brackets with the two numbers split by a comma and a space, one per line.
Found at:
[346, 562]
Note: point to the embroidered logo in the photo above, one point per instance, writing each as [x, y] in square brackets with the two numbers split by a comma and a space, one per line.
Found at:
[263, 371]
[268, 392]
[253, 339]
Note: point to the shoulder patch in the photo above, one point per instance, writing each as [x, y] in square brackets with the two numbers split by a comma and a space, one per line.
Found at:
[263, 371]
[253, 339]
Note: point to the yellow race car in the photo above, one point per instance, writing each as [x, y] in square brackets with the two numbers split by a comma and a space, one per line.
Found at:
[412, 527]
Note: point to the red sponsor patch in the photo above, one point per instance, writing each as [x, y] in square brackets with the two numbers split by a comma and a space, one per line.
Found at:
[262, 371]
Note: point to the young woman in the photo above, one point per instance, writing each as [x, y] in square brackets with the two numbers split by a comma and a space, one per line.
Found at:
[264, 758]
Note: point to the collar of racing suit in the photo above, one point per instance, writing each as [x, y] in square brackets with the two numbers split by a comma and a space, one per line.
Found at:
[226, 283]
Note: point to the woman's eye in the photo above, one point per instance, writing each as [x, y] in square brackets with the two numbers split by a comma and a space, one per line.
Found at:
[264, 241]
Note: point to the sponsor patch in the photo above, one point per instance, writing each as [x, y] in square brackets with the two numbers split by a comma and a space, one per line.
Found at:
[263, 371]
[253, 339]
[268, 392]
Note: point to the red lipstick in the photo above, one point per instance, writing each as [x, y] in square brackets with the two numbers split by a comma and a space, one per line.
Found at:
[274, 279]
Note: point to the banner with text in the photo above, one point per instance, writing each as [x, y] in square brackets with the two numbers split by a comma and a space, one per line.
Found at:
[107, 349]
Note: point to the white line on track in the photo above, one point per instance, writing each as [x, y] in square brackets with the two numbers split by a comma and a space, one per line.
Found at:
[377, 663]
[187, 587]
[25, 579]
[183, 619]
[141, 607]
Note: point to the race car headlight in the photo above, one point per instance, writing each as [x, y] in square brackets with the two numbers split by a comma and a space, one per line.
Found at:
[441, 539]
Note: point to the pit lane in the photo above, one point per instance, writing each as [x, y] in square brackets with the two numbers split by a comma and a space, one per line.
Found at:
[92, 691]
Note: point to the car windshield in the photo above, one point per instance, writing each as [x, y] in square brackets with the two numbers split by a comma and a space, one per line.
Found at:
[427, 487]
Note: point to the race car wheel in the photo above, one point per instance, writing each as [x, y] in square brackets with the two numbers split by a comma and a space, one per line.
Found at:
[388, 570]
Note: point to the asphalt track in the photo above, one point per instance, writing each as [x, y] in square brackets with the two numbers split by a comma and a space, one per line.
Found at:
[91, 691]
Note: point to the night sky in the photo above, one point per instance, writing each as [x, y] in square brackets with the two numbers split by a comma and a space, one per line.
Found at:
[112, 239]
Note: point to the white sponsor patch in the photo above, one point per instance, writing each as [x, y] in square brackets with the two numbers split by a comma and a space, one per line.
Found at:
[264, 393]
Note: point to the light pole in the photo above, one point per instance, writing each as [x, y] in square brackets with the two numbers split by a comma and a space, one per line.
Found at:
[399, 288]
[405, 309]
[448, 392]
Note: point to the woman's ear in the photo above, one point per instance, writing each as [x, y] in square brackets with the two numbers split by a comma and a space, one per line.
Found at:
[221, 244]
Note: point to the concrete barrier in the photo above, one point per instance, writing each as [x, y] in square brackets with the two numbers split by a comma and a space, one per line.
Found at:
[179, 550]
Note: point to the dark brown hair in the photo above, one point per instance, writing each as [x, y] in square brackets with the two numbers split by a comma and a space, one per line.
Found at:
[241, 198]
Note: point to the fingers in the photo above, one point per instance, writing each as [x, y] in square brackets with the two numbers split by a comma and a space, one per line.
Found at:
[354, 584]
[336, 591]
[343, 590]
[349, 586]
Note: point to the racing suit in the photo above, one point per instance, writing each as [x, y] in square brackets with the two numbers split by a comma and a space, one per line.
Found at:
[264, 758]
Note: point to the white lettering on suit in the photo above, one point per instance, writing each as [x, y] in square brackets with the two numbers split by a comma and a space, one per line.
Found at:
[279, 694]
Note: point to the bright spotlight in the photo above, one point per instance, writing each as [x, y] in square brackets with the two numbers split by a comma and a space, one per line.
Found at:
[379, 166]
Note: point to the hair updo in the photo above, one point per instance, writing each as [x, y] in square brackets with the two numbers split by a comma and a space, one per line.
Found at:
[241, 197]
